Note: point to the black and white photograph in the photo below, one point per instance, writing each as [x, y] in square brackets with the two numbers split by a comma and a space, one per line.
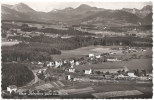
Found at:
[77, 49]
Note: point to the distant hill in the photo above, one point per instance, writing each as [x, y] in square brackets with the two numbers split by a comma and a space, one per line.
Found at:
[140, 12]
[21, 7]
[148, 19]
[84, 14]
[10, 14]
[112, 18]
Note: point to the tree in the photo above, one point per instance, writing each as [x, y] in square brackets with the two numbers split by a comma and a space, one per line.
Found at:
[136, 72]
[15, 73]
[98, 72]
[119, 71]
[107, 73]
[144, 72]
[95, 43]
[24, 26]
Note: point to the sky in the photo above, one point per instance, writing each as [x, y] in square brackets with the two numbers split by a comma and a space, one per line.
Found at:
[47, 6]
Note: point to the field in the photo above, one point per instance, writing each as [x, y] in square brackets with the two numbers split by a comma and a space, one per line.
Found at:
[9, 43]
[78, 91]
[84, 51]
[144, 62]
[51, 85]
[111, 90]
[117, 93]
[131, 65]
[45, 86]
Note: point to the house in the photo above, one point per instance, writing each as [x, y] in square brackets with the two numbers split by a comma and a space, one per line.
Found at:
[58, 63]
[72, 70]
[41, 71]
[98, 56]
[77, 63]
[68, 77]
[12, 88]
[65, 61]
[121, 76]
[91, 55]
[131, 74]
[91, 58]
[88, 71]
[72, 62]
[40, 63]
[50, 64]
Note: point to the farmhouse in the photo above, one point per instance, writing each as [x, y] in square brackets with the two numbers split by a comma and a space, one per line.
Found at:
[77, 63]
[72, 62]
[91, 55]
[41, 71]
[65, 61]
[58, 63]
[40, 63]
[88, 71]
[98, 56]
[72, 70]
[69, 77]
[131, 74]
[50, 64]
[12, 88]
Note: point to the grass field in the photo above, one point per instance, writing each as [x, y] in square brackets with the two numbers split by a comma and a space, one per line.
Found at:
[9, 43]
[129, 90]
[83, 51]
[145, 61]
[116, 93]
[131, 65]
[45, 86]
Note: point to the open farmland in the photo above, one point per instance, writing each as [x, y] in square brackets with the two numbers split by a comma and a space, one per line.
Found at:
[117, 93]
[84, 51]
[131, 65]
[45, 86]
[9, 43]
[143, 59]
[78, 91]
[111, 90]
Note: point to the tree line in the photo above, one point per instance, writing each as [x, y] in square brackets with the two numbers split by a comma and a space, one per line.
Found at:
[15, 74]
[26, 52]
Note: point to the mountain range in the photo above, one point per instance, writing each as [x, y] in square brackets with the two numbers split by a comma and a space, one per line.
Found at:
[84, 14]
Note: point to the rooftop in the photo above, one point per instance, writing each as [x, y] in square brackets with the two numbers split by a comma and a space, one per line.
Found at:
[12, 86]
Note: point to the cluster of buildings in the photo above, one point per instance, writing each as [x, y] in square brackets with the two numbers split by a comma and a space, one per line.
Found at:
[68, 65]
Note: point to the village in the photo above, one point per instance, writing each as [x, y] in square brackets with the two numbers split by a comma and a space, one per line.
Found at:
[77, 50]
[77, 72]
[58, 78]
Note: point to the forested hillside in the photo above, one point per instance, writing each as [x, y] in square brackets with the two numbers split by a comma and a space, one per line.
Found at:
[15, 74]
